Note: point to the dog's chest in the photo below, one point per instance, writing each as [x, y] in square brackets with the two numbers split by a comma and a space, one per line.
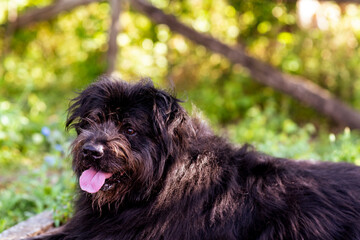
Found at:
[189, 206]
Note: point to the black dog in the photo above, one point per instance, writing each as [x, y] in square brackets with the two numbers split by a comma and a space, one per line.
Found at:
[149, 171]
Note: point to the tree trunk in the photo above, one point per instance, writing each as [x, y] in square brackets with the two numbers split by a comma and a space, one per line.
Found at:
[115, 6]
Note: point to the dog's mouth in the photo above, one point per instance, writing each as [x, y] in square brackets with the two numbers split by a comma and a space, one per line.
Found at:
[112, 181]
[92, 180]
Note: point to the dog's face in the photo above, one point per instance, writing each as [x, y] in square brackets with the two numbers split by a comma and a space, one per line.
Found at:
[128, 135]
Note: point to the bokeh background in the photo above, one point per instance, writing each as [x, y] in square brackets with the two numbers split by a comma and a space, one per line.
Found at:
[46, 59]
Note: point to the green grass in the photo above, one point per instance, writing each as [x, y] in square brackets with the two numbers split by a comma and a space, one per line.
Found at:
[35, 169]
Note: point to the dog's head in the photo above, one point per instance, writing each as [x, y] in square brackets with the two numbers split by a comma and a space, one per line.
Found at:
[127, 136]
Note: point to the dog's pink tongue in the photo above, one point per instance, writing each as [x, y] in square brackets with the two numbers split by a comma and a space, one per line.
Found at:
[91, 180]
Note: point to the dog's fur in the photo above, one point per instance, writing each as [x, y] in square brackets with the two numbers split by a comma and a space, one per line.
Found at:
[174, 179]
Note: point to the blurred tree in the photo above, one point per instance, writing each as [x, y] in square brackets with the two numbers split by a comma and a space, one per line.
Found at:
[299, 88]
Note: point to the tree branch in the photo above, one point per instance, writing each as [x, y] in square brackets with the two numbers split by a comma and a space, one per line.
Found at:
[48, 12]
[33, 226]
[341, 1]
[299, 88]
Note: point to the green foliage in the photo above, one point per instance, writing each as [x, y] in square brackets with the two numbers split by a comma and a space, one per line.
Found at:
[42, 66]
[35, 192]
[345, 147]
[46, 182]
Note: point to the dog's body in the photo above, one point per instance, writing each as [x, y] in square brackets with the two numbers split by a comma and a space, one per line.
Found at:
[149, 171]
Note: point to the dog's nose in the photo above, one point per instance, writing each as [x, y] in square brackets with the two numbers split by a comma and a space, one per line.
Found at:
[95, 151]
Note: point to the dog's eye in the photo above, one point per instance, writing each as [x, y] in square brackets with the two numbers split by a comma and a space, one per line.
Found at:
[130, 132]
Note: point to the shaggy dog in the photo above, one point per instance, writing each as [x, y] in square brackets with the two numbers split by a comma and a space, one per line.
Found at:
[149, 171]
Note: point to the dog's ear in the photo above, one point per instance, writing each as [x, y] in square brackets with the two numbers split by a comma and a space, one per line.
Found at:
[89, 101]
[170, 121]
[74, 113]
[79, 107]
